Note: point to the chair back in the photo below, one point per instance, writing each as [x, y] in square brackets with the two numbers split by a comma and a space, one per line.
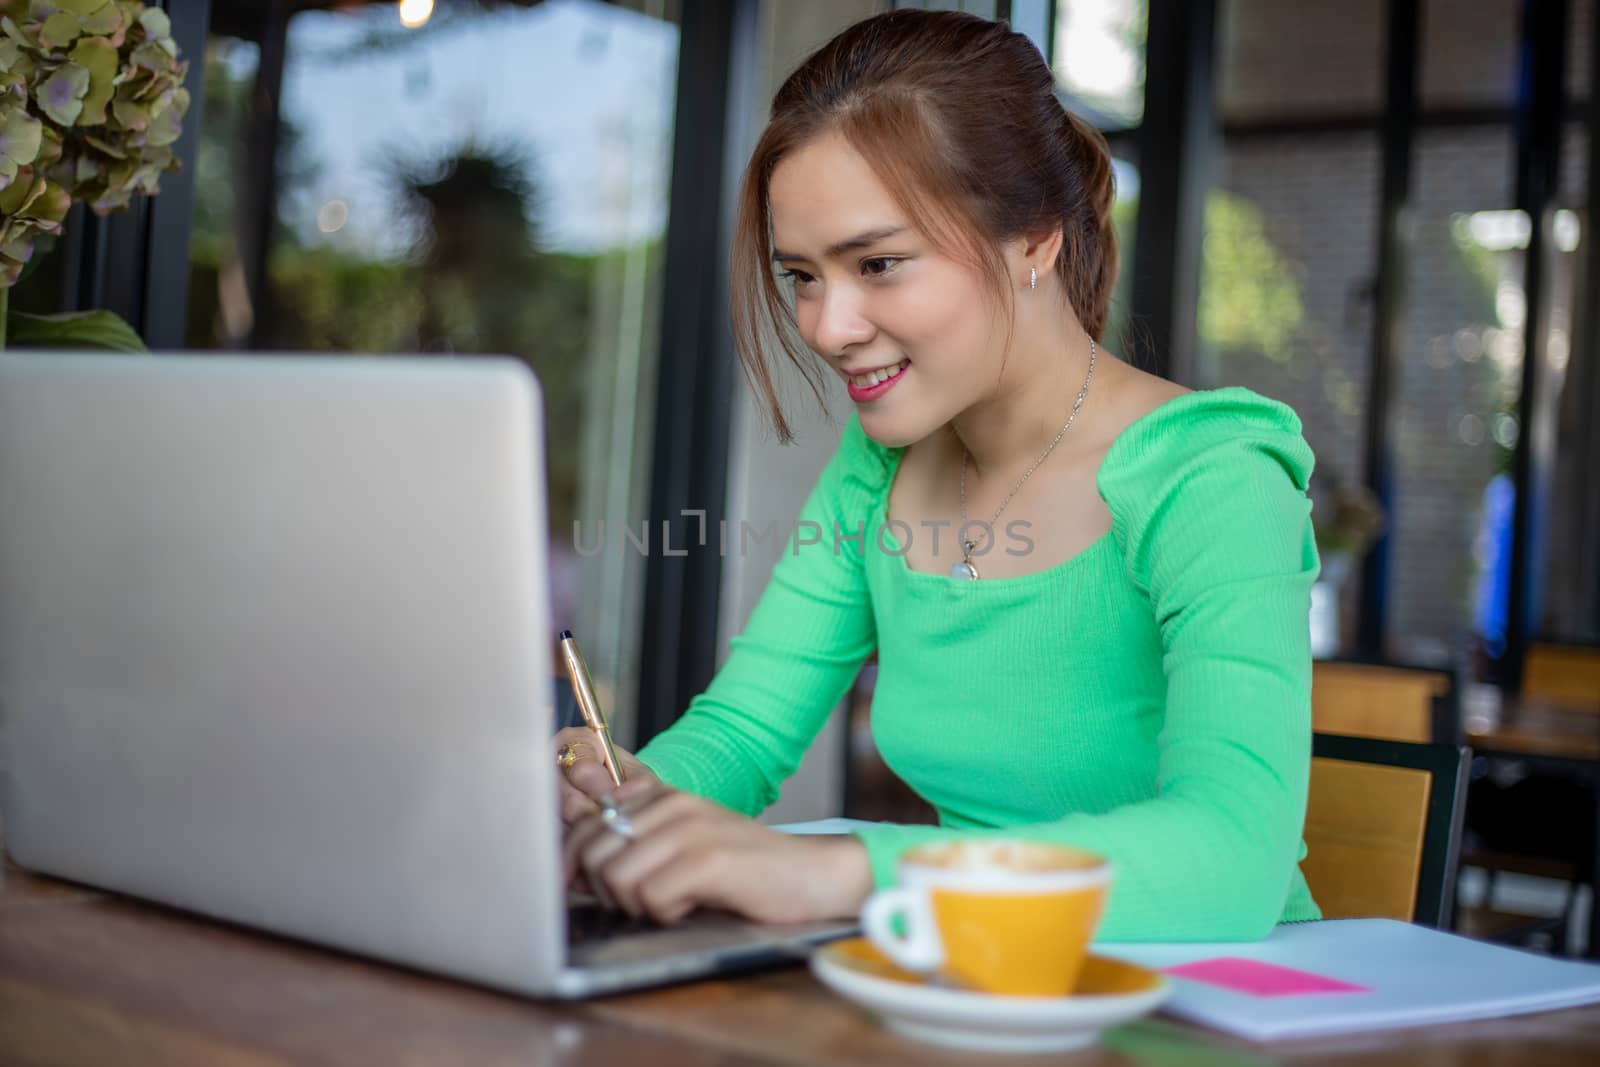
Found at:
[1562, 674]
[1383, 828]
[1375, 700]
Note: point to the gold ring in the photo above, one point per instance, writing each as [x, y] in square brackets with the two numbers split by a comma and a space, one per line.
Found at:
[571, 753]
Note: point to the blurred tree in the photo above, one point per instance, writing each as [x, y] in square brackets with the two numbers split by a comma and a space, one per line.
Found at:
[484, 286]
[1250, 293]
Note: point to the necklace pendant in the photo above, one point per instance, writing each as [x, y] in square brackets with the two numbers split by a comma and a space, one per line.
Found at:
[964, 571]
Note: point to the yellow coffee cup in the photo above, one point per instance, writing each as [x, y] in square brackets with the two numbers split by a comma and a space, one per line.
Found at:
[996, 916]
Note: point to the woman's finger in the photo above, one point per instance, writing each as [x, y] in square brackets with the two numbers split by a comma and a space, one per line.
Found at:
[575, 804]
[674, 890]
[590, 777]
[583, 764]
[591, 842]
[660, 832]
[628, 874]
[593, 852]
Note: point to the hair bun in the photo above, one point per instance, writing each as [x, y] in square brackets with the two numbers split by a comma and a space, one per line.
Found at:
[1093, 240]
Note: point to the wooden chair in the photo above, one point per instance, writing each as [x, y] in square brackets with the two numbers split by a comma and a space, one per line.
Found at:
[1383, 828]
[1568, 676]
[1392, 703]
[1562, 674]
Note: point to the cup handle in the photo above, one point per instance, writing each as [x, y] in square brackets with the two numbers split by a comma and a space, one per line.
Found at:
[919, 949]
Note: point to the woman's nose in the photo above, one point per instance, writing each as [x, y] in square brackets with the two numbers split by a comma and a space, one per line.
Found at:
[841, 323]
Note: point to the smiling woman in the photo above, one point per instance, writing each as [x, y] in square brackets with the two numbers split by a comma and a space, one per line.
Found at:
[1131, 676]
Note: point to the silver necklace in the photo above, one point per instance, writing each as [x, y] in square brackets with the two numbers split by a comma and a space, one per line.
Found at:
[966, 570]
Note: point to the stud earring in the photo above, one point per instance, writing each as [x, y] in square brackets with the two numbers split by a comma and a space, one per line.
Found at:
[1033, 277]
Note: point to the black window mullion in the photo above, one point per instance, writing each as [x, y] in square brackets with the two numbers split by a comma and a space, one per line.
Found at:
[1542, 90]
[696, 373]
[1399, 126]
[1180, 130]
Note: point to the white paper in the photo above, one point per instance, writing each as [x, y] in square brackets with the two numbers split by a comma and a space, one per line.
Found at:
[826, 826]
[1418, 976]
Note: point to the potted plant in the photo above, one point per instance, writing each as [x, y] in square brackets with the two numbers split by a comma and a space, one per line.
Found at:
[1346, 520]
[91, 102]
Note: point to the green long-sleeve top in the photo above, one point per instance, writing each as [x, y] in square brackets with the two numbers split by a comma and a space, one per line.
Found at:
[1147, 699]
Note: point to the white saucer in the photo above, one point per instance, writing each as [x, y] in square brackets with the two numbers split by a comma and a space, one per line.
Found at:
[1109, 992]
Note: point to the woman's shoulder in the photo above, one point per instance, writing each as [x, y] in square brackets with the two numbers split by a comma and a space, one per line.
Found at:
[1166, 425]
[1215, 441]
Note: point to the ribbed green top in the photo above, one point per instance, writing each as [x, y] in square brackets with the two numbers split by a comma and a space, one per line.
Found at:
[1148, 699]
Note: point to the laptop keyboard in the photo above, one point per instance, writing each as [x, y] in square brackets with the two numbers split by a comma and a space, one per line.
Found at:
[589, 923]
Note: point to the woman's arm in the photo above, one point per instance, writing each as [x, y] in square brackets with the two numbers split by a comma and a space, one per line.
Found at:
[802, 648]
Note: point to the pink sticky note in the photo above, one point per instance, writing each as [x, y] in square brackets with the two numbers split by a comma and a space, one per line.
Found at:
[1259, 979]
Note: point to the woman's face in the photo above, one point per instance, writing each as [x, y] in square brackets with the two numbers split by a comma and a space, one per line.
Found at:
[908, 330]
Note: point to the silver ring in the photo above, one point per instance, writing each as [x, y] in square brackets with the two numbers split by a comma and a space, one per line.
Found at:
[616, 820]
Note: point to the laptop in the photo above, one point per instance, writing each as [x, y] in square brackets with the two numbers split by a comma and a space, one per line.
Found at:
[274, 648]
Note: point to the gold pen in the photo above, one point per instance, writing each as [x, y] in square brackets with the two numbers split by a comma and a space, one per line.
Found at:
[583, 689]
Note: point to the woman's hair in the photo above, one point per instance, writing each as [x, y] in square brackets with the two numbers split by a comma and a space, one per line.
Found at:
[958, 117]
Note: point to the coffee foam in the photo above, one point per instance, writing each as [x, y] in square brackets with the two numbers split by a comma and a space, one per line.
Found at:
[1024, 857]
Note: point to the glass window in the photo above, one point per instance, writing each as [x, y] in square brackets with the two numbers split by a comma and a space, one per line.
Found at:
[1569, 575]
[1099, 58]
[1580, 49]
[1468, 53]
[1125, 216]
[1286, 305]
[480, 178]
[1460, 374]
[1299, 61]
[1288, 264]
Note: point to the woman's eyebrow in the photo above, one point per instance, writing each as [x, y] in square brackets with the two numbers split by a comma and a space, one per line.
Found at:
[849, 244]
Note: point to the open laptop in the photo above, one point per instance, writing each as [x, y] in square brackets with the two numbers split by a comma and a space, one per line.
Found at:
[274, 648]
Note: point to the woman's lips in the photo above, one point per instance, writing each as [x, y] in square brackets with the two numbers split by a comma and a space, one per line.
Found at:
[862, 394]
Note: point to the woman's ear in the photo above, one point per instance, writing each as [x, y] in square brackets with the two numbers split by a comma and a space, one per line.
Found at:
[1042, 249]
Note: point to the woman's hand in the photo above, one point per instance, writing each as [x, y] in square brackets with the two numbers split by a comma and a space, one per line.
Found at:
[587, 780]
[688, 852]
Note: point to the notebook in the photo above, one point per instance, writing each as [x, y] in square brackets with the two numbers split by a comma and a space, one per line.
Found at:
[1345, 975]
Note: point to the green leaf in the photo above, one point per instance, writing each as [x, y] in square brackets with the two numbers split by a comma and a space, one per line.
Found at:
[14, 256]
[156, 23]
[60, 30]
[13, 31]
[151, 56]
[73, 329]
[114, 151]
[98, 56]
[105, 22]
[21, 136]
[13, 83]
[165, 127]
[16, 197]
[79, 7]
[130, 115]
[51, 206]
[61, 95]
[50, 150]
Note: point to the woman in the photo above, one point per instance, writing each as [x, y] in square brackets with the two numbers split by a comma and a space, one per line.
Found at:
[1088, 588]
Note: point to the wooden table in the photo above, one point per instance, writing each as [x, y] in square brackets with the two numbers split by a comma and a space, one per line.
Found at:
[1552, 736]
[90, 978]
[1534, 728]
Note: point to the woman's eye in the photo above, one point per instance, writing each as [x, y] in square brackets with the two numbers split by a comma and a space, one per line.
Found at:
[878, 266]
[798, 277]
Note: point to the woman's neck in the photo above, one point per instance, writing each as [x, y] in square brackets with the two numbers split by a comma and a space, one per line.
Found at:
[1041, 378]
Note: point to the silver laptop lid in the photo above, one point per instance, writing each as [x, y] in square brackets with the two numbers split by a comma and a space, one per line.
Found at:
[273, 647]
